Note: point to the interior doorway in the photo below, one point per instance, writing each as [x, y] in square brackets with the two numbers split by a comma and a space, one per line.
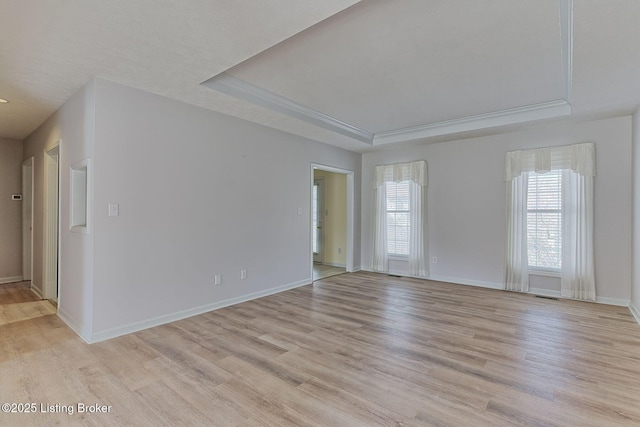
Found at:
[52, 194]
[331, 221]
[27, 219]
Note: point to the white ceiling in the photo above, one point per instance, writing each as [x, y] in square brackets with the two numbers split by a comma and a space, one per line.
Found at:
[380, 67]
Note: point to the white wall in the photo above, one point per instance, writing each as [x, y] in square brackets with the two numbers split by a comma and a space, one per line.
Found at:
[10, 210]
[200, 193]
[635, 285]
[466, 213]
[71, 127]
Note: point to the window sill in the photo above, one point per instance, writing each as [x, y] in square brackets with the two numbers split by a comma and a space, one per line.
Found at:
[548, 273]
[398, 257]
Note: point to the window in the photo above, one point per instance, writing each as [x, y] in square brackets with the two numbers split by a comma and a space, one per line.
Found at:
[397, 218]
[550, 217]
[544, 221]
[400, 213]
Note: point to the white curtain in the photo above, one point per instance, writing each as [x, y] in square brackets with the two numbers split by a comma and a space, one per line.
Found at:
[418, 247]
[578, 275]
[517, 276]
[416, 174]
[380, 259]
[579, 167]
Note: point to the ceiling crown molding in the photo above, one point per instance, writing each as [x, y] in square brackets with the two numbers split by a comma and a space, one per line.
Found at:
[566, 33]
[240, 89]
[545, 110]
[511, 116]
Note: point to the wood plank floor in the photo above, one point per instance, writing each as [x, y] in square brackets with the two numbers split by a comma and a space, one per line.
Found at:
[357, 349]
[18, 303]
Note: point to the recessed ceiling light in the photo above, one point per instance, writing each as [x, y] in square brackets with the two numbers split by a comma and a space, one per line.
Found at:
[3, 101]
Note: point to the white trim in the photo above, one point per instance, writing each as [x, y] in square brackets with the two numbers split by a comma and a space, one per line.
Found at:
[467, 282]
[233, 86]
[51, 224]
[335, 264]
[544, 273]
[611, 301]
[634, 312]
[179, 315]
[37, 291]
[28, 195]
[543, 110]
[566, 32]
[350, 213]
[500, 286]
[11, 279]
[80, 331]
[238, 88]
[599, 300]
[85, 165]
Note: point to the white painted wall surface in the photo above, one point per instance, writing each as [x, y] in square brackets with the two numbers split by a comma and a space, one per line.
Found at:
[10, 210]
[73, 125]
[467, 194]
[635, 283]
[200, 193]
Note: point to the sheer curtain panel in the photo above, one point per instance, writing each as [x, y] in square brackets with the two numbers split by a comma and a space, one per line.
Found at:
[416, 174]
[578, 166]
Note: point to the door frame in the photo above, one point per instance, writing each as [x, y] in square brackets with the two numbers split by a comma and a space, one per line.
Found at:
[27, 222]
[350, 213]
[51, 224]
[319, 258]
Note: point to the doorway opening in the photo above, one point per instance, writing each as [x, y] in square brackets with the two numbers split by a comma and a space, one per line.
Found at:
[331, 221]
[51, 215]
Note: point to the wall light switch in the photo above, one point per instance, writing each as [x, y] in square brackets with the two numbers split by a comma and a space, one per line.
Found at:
[299, 211]
[217, 279]
[114, 209]
[243, 274]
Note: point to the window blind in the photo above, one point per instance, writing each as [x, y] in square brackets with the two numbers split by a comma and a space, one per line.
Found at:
[544, 220]
[397, 217]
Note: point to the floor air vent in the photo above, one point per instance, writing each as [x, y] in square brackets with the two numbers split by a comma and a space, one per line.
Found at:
[551, 298]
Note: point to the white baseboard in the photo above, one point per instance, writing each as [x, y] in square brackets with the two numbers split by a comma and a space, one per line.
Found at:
[613, 301]
[468, 282]
[37, 291]
[635, 312]
[12, 279]
[600, 300]
[83, 333]
[356, 269]
[172, 317]
[335, 264]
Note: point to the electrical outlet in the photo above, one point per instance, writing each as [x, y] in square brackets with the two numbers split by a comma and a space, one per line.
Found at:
[339, 250]
[217, 279]
[435, 259]
[243, 274]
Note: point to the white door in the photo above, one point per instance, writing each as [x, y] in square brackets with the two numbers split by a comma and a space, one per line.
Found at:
[316, 222]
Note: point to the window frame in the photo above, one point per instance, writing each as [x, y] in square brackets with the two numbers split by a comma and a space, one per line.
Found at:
[393, 255]
[540, 270]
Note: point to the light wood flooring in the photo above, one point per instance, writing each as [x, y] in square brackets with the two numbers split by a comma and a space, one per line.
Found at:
[322, 271]
[18, 303]
[359, 349]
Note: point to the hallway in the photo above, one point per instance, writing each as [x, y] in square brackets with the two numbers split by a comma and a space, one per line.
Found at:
[19, 303]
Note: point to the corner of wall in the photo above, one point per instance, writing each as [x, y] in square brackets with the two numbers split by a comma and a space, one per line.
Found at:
[635, 215]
